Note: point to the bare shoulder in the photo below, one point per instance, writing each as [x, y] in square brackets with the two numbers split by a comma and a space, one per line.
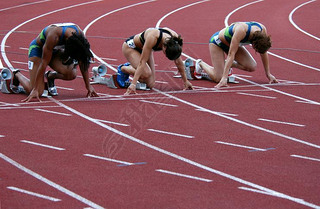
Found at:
[151, 35]
[240, 26]
[151, 32]
[53, 32]
[240, 30]
[264, 28]
[171, 31]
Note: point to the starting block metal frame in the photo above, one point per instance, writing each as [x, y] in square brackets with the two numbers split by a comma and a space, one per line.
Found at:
[189, 67]
[113, 83]
[6, 82]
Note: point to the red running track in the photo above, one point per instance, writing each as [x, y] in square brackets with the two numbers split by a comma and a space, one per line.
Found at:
[250, 145]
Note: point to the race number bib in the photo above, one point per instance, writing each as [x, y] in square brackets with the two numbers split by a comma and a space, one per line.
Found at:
[131, 44]
[30, 65]
[217, 39]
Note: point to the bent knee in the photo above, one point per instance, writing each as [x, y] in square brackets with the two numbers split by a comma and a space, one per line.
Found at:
[151, 84]
[251, 67]
[70, 76]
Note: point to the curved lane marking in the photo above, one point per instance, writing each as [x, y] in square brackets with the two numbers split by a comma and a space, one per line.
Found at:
[295, 25]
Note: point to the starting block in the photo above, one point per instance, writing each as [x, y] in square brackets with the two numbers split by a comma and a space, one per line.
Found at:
[6, 83]
[98, 78]
[189, 67]
[231, 78]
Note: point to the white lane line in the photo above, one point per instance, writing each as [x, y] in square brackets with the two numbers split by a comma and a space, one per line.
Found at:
[281, 122]
[108, 159]
[294, 62]
[242, 146]
[305, 102]
[114, 123]
[223, 113]
[255, 190]
[162, 82]
[132, 98]
[282, 81]
[200, 88]
[109, 59]
[226, 20]
[280, 92]
[295, 25]
[65, 88]
[226, 24]
[242, 122]
[114, 11]
[234, 178]
[186, 160]
[34, 194]
[183, 175]
[158, 103]
[22, 5]
[241, 75]
[274, 195]
[53, 112]
[256, 95]
[174, 11]
[8, 104]
[22, 63]
[50, 183]
[304, 157]
[42, 145]
[3, 43]
[16, 106]
[2, 136]
[170, 133]
[104, 15]
[297, 63]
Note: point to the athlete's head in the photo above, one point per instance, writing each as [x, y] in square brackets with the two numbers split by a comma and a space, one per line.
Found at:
[77, 47]
[173, 47]
[260, 42]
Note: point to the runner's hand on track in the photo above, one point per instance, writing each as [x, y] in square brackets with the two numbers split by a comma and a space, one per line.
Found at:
[272, 79]
[92, 92]
[33, 94]
[188, 86]
[131, 89]
[223, 82]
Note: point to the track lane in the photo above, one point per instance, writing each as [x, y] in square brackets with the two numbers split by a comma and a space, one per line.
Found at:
[176, 149]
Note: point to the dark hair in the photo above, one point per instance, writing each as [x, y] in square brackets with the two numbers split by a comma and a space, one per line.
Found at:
[173, 47]
[77, 47]
[261, 42]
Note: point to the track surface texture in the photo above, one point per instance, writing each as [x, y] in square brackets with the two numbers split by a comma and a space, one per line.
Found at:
[249, 145]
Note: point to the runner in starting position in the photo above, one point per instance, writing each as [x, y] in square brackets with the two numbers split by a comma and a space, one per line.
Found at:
[62, 47]
[231, 40]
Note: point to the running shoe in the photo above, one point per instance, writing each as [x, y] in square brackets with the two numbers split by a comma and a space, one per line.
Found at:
[51, 87]
[122, 78]
[15, 80]
[230, 72]
[198, 69]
